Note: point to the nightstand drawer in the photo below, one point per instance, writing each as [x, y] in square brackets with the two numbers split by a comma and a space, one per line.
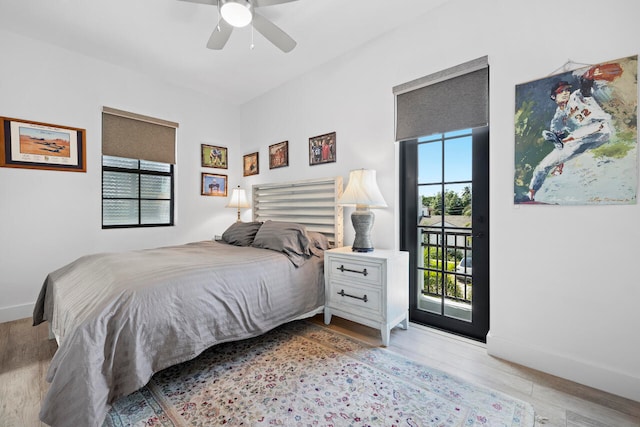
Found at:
[360, 299]
[348, 269]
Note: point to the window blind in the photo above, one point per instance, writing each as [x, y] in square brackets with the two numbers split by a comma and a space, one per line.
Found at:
[452, 99]
[135, 136]
[136, 193]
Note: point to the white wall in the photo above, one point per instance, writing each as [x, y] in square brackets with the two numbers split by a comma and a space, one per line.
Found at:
[49, 218]
[564, 291]
[566, 303]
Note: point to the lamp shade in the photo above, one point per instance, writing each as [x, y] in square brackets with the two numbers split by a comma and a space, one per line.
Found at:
[238, 199]
[362, 190]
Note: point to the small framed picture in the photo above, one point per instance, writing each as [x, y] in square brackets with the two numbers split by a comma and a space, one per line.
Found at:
[214, 157]
[322, 149]
[35, 145]
[250, 165]
[214, 185]
[279, 155]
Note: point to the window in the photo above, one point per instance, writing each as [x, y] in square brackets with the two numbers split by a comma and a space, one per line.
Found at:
[136, 193]
[138, 154]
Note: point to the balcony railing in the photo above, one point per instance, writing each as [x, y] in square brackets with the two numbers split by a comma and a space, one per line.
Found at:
[443, 248]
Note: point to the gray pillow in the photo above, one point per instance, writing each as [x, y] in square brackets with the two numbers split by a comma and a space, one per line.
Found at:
[289, 238]
[241, 233]
[319, 243]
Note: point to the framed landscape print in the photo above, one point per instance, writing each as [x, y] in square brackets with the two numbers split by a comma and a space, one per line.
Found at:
[322, 149]
[250, 165]
[214, 157]
[35, 145]
[214, 185]
[279, 155]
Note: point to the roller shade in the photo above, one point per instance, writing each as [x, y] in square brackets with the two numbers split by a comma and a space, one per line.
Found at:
[135, 136]
[452, 99]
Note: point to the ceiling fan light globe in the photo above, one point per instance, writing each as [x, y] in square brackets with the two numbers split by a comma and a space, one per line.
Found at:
[237, 13]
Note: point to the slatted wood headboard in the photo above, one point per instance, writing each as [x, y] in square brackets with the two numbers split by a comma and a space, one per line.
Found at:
[313, 203]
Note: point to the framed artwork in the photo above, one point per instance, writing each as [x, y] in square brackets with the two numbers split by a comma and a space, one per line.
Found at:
[279, 155]
[35, 145]
[576, 136]
[322, 149]
[250, 165]
[214, 185]
[214, 157]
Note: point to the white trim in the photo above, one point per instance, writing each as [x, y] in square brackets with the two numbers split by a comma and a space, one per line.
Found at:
[569, 367]
[16, 312]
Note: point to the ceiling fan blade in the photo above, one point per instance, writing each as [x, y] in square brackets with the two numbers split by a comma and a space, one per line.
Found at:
[262, 3]
[212, 2]
[273, 33]
[220, 35]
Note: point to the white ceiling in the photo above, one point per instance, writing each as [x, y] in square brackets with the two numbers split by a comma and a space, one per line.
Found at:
[167, 38]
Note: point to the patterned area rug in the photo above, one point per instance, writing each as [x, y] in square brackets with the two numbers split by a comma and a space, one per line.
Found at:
[304, 375]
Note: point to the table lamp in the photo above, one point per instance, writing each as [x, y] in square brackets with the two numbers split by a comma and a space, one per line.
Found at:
[238, 200]
[363, 193]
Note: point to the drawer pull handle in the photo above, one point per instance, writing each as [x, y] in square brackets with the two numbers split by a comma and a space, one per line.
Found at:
[342, 294]
[363, 272]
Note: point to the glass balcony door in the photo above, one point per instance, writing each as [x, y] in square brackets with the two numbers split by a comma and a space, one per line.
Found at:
[445, 228]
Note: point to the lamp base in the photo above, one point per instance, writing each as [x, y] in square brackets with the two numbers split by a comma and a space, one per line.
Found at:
[362, 220]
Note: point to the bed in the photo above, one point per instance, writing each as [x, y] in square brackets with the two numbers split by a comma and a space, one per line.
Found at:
[121, 317]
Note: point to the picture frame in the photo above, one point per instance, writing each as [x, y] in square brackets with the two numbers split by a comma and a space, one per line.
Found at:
[213, 156]
[214, 185]
[250, 164]
[322, 149]
[279, 155]
[35, 145]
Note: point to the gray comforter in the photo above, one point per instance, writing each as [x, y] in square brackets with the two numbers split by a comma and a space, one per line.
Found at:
[121, 317]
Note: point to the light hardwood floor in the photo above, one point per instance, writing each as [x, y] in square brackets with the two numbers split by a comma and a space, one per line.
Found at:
[557, 402]
[25, 353]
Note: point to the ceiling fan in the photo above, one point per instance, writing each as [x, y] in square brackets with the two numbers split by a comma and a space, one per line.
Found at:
[240, 13]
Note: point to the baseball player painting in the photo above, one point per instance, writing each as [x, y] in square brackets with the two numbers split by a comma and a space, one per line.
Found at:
[579, 145]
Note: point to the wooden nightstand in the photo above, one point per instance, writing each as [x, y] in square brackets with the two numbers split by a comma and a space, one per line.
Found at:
[371, 288]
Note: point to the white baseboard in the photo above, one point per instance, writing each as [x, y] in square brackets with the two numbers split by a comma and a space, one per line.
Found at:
[15, 312]
[579, 371]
